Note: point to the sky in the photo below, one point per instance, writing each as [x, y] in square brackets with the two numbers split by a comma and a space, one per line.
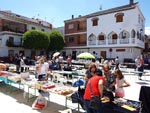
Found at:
[57, 11]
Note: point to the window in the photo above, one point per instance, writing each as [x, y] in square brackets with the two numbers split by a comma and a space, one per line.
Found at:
[139, 18]
[11, 39]
[114, 36]
[120, 50]
[78, 26]
[71, 39]
[119, 17]
[0, 40]
[101, 37]
[133, 33]
[70, 26]
[138, 35]
[91, 37]
[33, 28]
[124, 35]
[95, 21]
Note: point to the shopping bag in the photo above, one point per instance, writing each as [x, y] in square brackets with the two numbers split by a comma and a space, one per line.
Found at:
[39, 103]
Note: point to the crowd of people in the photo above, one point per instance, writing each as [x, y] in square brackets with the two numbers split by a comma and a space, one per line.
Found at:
[103, 82]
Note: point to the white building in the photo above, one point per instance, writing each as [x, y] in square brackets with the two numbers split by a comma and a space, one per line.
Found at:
[12, 27]
[61, 30]
[114, 32]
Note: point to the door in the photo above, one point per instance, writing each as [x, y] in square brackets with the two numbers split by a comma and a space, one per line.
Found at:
[74, 55]
[103, 54]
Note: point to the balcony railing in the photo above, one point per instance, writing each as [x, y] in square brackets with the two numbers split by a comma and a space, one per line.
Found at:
[17, 44]
[124, 41]
[92, 42]
[19, 30]
[133, 40]
[101, 42]
[13, 44]
[112, 41]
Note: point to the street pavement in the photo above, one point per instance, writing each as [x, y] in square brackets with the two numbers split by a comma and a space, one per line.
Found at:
[14, 101]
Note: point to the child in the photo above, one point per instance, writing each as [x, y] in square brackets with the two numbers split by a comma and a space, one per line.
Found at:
[120, 83]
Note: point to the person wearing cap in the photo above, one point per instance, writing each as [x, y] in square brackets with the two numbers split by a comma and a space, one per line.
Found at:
[97, 84]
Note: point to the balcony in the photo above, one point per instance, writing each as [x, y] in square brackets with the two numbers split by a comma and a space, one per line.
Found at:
[112, 41]
[133, 40]
[82, 42]
[13, 44]
[101, 42]
[146, 50]
[124, 41]
[19, 30]
[93, 42]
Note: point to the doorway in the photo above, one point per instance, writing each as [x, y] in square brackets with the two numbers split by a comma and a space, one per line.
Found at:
[103, 54]
[74, 55]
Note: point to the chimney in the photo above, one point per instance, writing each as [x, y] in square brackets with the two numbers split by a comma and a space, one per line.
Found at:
[131, 2]
[79, 16]
[100, 8]
[72, 16]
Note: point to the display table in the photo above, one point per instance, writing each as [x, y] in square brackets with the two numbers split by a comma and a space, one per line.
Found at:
[120, 105]
[11, 78]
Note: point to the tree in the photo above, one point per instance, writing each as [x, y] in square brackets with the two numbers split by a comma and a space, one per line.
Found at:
[57, 41]
[35, 39]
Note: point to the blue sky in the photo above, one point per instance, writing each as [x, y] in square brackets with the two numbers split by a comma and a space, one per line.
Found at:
[56, 11]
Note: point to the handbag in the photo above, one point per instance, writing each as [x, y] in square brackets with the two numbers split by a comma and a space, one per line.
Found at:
[95, 101]
[75, 97]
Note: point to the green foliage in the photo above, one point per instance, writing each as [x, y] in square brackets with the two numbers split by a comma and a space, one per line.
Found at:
[57, 41]
[35, 39]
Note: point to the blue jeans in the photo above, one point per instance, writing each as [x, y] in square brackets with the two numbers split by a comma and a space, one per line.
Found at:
[90, 110]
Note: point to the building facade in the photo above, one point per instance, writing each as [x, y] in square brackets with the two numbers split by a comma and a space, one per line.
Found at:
[12, 28]
[108, 33]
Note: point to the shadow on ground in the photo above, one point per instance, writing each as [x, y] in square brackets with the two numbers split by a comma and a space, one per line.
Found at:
[142, 83]
[18, 95]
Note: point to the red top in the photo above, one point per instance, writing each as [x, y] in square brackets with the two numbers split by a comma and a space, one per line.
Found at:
[94, 84]
[142, 61]
[68, 60]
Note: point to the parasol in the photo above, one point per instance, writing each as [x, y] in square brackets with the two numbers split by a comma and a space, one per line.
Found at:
[85, 55]
[56, 54]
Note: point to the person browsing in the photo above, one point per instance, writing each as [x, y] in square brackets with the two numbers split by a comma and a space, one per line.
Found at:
[96, 83]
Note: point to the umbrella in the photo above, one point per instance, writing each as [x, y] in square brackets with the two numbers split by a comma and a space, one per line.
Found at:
[3, 66]
[85, 55]
[78, 83]
[56, 54]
